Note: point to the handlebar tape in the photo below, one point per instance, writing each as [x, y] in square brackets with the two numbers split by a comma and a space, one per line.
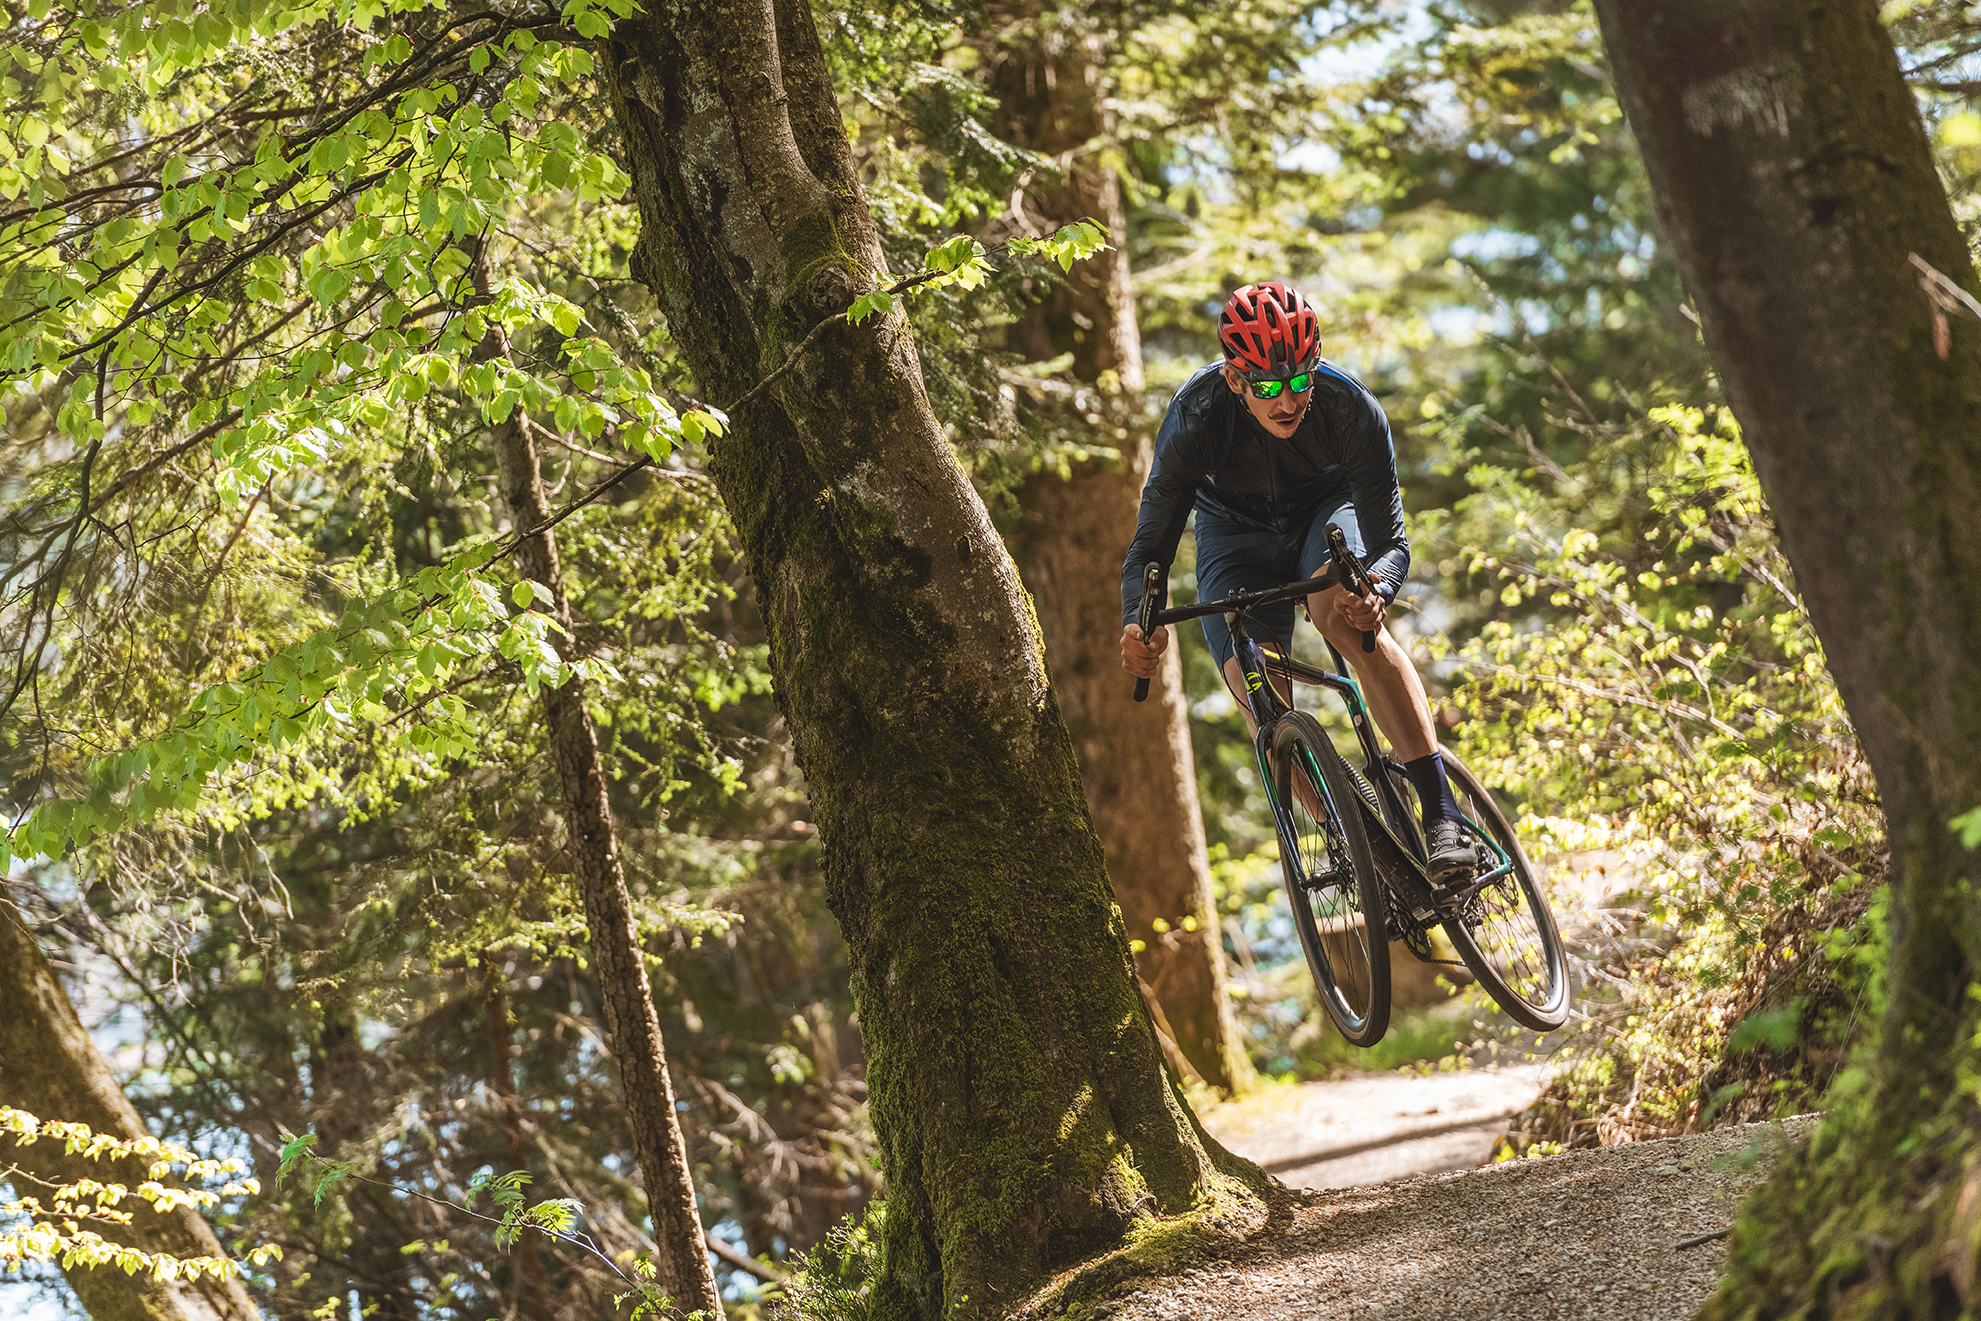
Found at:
[1338, 547]
[1152, 583]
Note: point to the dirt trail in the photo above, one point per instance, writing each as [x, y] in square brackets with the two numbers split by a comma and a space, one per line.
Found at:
[1372, 1127]
[1599, 1233]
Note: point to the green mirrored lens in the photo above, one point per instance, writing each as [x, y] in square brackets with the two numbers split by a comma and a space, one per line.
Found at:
[1302, 383]
[1267, 389]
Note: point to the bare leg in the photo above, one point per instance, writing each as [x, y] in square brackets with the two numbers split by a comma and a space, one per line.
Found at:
[1389, 681]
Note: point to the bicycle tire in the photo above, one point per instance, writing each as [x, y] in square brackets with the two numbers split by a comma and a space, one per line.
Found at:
[1505, 932]
[1331, 880]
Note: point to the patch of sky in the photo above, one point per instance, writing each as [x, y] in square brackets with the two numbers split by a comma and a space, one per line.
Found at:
[1309, 158]
[1535, 315]
[37, 1293]
[1409, 21]
[735, 1284]
[1361, 58]
[1205, 161]
[1457, 325]
[1494, 244]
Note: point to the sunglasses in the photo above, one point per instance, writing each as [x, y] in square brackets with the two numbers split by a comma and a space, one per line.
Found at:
[1273, 389]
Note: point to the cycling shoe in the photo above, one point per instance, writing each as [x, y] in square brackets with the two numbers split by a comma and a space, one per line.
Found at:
[1452, 855]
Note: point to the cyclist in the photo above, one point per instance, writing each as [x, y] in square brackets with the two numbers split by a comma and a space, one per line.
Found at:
[1269, 446]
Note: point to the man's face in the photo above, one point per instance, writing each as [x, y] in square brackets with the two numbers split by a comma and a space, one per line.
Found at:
[1279, 416]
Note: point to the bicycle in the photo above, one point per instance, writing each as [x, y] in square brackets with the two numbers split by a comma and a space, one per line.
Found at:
[1355, 878]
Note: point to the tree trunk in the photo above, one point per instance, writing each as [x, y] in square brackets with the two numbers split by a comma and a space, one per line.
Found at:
[1794, 179]
[50, 1068]
[1135, 759]
[1017, 1088]
[633, 1028]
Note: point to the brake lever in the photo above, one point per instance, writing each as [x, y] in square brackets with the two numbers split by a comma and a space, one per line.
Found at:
[1364, 586]
[1152, 582]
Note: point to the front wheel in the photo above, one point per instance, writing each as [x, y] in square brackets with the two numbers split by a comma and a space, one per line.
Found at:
[1502, 928]
[1331, 880]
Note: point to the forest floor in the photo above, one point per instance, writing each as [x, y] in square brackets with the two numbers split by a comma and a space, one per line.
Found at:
[1388, 1211]
[1368, 1128]
[1608, 1232]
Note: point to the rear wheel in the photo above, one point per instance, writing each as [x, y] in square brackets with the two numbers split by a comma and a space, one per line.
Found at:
[1503, 929]
[1331, 880]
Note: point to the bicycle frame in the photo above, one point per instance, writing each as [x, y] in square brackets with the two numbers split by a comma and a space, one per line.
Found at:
[1375, 853]
[1258, 667]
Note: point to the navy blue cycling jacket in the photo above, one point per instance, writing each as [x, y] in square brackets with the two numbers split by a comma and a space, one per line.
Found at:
[1211, 454]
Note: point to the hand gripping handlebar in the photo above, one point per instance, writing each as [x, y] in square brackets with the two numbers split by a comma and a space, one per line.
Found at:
[1355, 574]
[1152, 583]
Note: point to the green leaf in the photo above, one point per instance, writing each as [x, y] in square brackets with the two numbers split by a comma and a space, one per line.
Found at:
[1968, 826]
[867, 304]
[1074, 242]
[954, 253]
[292, 1151]
[334, 1173]
[523, 593]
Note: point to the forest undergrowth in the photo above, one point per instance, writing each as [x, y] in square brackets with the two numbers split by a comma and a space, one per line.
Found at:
[1682, 758]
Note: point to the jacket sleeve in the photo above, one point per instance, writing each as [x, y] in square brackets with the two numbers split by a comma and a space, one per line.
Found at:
[1167, 499]
[1378, 500]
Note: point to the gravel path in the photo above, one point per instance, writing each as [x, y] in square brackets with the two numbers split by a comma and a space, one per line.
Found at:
[1372, 1127]
[1588, 1234]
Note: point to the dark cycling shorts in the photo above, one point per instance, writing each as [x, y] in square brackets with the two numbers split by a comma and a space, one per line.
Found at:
[1241, 557]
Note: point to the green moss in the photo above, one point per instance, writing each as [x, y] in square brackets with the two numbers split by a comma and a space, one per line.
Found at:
[1864, 1221]
[1231, 1211]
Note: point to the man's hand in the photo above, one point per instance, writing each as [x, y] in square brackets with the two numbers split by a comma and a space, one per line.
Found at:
[1139, 658]
[1363, 613]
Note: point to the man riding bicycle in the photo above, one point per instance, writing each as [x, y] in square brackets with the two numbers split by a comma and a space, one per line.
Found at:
[1269, 446]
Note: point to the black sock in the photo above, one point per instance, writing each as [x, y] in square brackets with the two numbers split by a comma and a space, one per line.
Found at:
[1433, 790]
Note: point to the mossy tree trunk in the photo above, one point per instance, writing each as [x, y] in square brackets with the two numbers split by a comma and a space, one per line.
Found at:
[1794, 180]
[1135, 758]
[681, 1260]
[1018, 1094]
[50, 1068]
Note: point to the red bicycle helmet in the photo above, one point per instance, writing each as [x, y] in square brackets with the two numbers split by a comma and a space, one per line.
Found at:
[1269, 330]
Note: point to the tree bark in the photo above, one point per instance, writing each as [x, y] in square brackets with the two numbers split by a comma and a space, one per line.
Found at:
[592, 841]
[1794, 178]
[1017, 1089]
[50, 1068]
[1136, 765]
